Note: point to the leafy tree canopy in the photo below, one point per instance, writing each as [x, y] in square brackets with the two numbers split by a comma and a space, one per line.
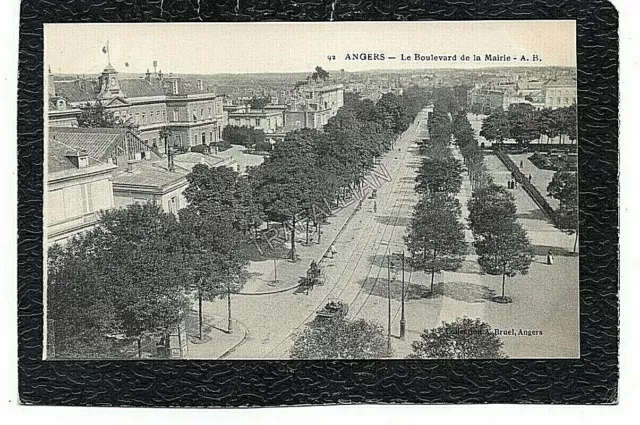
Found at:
[463, 339]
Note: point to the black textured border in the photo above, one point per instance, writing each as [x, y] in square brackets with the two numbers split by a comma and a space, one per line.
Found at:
[591, 379]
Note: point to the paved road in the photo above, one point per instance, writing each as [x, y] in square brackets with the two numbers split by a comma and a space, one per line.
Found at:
[545, 301]
[272, 320]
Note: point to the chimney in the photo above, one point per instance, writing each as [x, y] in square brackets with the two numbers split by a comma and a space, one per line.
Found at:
[175, 87]
[147, 76]
[78, 158]
[155, 66]
[132, 165]
[160, 75]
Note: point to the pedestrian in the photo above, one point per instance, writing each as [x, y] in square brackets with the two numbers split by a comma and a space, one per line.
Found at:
[521, 164]
[333, 250]
[529, 178]
[550, 258]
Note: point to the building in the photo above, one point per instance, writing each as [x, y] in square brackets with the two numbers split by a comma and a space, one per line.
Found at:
[78, 187]
[142, 181]
[312, 105]
[560, 93]
[138, 173]
[188, 112]
[268, 120]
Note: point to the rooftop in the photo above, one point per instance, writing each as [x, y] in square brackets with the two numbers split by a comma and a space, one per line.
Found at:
[59, 164]
[97, 142]
[139, 87]
[153, 175]
[189, 160]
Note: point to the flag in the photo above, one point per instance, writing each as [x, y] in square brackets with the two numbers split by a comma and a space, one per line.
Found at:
[105, 49]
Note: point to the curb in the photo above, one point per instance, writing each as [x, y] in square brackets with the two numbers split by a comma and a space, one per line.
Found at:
[234, 346]
[324, 253]
[245, 332]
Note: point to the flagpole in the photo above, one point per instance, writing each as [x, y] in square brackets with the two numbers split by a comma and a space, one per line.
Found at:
[108, 52]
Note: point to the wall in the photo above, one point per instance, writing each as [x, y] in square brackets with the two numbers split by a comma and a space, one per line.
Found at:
[71, 206]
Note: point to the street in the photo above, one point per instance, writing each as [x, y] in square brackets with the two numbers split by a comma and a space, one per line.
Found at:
[545, 303]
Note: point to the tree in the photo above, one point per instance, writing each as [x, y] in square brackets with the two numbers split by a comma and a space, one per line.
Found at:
[463, 339]
[489, 208]
[523, 122]
[96, 115]
[139, 259]
[213, 258]
[259, 102]
[496, 127]
[124, 277]
[320, 74]
[243, 135]
[288, 183]
[441, 175]
[462, 131]
[567, 121]
[338, 338]
[436, 237]
[80, 312]
[221, 208]
[564, 188]
[439, 126]
[506, 252]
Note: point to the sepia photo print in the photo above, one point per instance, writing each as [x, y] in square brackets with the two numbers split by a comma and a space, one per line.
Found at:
[353, 190]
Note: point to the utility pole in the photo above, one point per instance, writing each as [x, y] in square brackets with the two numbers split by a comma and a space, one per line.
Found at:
[275, 271]
[230, 327]
[403, 321]
[389, 298]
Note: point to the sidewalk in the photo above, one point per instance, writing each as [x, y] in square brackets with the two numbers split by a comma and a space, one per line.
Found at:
[216, 341]
[263, 273]
[539, 178]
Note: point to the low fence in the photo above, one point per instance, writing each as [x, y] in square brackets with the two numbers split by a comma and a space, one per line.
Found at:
[526, 184]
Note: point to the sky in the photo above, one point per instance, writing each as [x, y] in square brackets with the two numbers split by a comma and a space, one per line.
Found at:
[210, 48]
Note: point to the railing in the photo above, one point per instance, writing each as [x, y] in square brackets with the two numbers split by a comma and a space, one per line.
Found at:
[533, 191]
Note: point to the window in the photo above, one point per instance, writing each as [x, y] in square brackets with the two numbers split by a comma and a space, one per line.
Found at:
[164, 117]
[173, 205]
[195, 139]
[210, 115]
[211, 136]
[137, 118]
[144, 118]
[158, 115]
[201, 113]
[151, 116]
[179, 138]
[155, 142]
[176, 115]
[116, 115]
[257, 122]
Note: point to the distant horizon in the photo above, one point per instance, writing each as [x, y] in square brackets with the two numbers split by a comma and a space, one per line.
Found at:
[283, 47]
[489, 67]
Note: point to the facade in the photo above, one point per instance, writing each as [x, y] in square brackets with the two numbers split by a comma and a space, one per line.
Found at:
[498, 97]
[189, 111]
[267, 120]
[312, 105]
[144, 181]
[78, 187]
[560, 93]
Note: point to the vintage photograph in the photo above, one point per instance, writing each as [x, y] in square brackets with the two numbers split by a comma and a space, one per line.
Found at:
[352, 190]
